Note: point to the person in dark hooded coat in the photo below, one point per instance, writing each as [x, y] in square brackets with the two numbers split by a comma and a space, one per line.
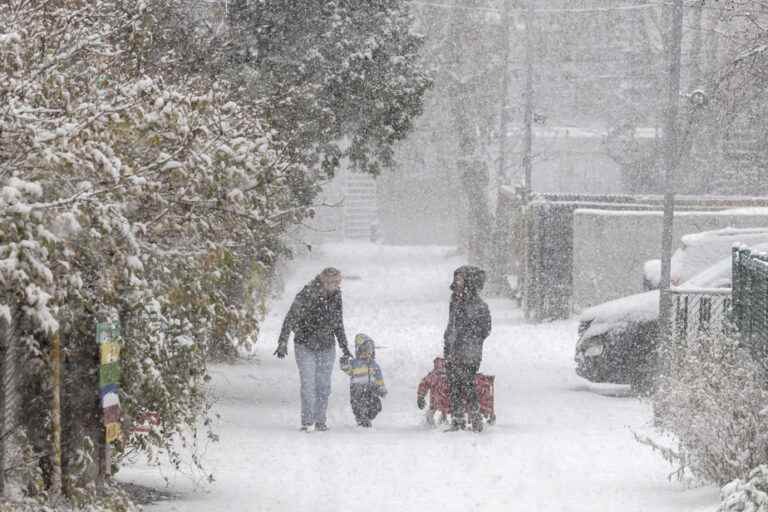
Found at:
[469, 324]
[316, 319]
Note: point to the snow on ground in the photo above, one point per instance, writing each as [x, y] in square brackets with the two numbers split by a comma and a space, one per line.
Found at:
[560, 443]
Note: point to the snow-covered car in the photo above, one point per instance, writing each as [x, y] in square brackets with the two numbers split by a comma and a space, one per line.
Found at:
[699, 251]
[617, 339]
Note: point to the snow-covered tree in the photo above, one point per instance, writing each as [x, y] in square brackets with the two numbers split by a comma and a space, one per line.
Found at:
[125, 195]
[145, 175]
[336, 79]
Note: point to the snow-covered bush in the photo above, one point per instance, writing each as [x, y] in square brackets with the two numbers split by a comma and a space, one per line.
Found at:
[713, 401]
[111, 498]
[127, 196]
[139, 181]
[748, 495]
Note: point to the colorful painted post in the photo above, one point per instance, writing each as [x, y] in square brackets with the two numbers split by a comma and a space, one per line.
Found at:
[108, 338]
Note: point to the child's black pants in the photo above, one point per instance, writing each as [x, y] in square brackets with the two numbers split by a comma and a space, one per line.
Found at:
[366, 403]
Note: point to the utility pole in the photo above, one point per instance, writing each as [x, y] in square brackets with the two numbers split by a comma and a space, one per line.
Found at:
[670, 164]
[526, 279]
[501, 174]
[528, 138]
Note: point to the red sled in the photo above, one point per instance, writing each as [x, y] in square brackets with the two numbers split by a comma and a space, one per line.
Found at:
[436, 384]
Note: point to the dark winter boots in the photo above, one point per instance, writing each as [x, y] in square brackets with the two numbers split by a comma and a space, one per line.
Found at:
[475, 422]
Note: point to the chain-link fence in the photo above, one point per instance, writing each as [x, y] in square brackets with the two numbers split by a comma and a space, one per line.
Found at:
[750, 300]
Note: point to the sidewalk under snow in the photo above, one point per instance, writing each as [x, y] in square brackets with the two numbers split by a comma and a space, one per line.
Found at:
[559, 444]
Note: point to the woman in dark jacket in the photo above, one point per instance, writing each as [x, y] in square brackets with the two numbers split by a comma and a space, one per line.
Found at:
[316, 319]
[469, 324]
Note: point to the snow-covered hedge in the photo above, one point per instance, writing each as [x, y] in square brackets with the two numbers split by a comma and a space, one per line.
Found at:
[111, 498]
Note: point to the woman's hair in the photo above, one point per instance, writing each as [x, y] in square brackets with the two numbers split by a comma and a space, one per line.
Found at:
[330, 272]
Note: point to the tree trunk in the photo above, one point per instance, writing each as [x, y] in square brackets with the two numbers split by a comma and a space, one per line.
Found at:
[82, 424]
[472, 174]
[501, 240]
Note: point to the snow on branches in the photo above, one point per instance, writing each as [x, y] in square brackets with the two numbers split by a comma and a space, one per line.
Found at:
[129, 195]
[149, 170]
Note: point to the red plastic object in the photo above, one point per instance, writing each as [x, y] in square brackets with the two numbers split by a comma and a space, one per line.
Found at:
[436, 384]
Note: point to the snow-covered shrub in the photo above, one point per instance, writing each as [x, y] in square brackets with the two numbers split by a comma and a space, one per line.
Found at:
[140, 182]
[713, 401]
[127, 196]
[110, 499]
[748, 495]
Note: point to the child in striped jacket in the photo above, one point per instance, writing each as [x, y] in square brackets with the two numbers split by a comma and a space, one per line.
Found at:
[366, 382]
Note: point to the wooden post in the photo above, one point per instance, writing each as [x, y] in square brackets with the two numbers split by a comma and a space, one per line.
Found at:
[5, 369]
[56, 476]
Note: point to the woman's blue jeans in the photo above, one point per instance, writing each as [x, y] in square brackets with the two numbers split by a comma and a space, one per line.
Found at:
[315, 367]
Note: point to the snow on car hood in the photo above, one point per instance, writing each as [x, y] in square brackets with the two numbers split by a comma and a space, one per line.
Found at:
[618, 313]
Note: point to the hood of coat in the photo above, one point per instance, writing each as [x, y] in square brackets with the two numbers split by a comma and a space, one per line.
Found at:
[474, 279]
[365, 348]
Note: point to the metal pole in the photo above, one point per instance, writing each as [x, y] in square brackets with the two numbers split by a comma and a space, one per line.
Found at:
[527, 274]
[505, 85]
[528, 139]
[56, 415]
[670, 164]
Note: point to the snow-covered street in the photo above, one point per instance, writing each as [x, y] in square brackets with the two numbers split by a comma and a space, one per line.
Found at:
[560, 443]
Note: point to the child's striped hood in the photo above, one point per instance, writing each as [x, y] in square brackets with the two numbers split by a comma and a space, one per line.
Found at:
[364, 346]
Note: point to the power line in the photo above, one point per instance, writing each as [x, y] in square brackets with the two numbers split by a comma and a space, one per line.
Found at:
[552, 10]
